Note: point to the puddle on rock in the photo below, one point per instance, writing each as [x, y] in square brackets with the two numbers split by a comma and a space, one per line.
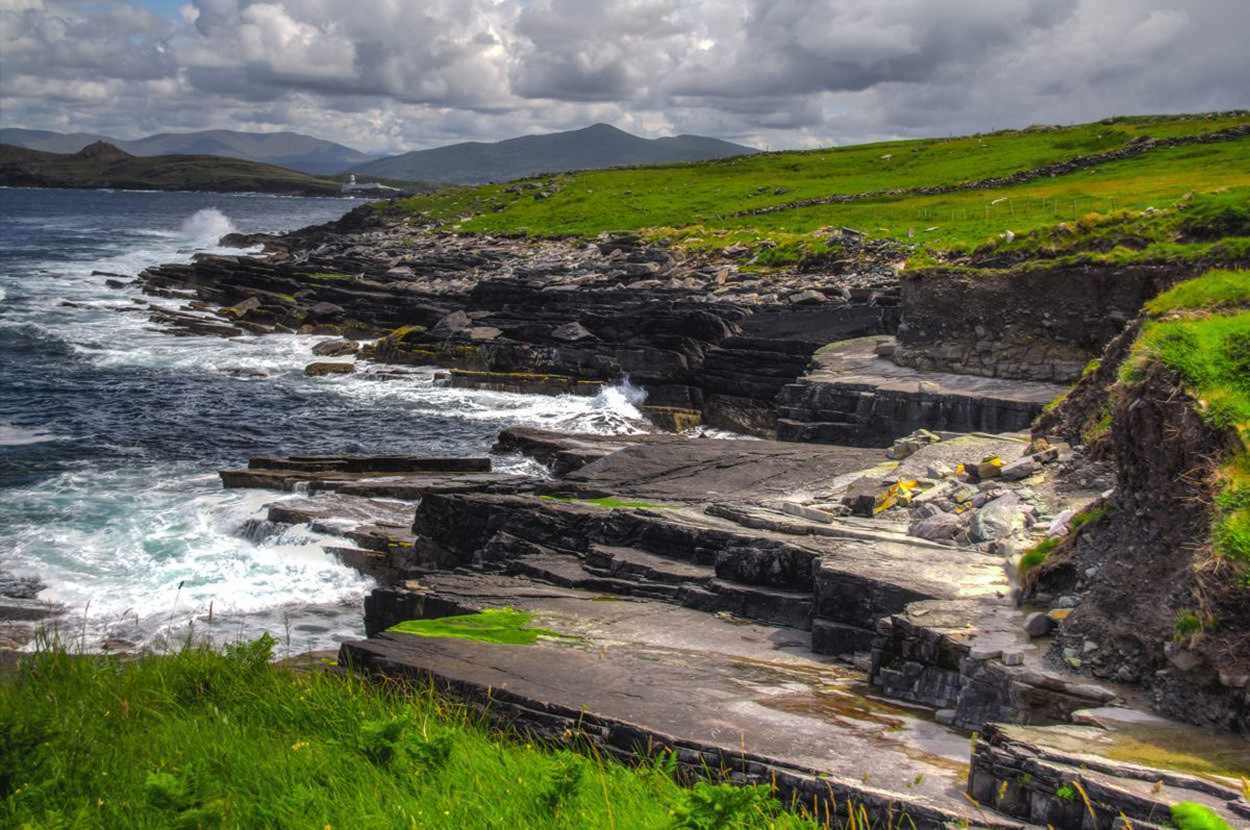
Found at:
[839, 695]
[1176, 747]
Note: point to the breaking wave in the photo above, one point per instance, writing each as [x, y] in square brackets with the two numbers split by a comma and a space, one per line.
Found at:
[207, 226]
[112, 431]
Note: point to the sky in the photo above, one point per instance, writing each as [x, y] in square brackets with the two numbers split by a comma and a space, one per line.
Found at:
[396, 75]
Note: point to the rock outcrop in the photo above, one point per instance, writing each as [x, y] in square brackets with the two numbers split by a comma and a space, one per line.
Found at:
[708, 342]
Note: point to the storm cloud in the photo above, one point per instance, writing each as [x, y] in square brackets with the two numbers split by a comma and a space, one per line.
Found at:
[392, 75]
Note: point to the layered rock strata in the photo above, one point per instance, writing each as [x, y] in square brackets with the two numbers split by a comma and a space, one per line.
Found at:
[702, 588]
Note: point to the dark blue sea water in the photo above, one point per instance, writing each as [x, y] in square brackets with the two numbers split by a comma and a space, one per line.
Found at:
[111, 431]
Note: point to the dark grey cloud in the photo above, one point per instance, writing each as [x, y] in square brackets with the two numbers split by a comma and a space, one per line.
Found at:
[791, 47]
[400, 74]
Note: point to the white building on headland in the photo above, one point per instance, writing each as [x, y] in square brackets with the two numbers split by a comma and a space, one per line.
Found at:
[368, 188]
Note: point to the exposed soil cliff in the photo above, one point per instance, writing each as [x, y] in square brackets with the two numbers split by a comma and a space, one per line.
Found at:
[1160, 604]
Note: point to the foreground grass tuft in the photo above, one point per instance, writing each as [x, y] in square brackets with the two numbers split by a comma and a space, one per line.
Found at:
[204, 739]
[1190, 816]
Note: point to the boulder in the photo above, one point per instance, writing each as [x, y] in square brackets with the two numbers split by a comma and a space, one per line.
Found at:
[242, 308]
[483, 334]
[963, 494]
[808, 297]
[911, 444]
[1182, 658]
[1038, 624]
[1021, 468]
[869, 496]
[571, 332]
[941, 527]
[318, 369]
[335, 348]
[998, 519]
[20, 587]
[456, 321]
[984, 470]
[324, 312]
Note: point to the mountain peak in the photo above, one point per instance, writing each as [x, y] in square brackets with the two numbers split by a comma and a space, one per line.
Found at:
[601, 127]
[103, 151]
[586, 148]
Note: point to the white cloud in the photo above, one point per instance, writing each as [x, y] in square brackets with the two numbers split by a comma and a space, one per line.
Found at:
[399, 74]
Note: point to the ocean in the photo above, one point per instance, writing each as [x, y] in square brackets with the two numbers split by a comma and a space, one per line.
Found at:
[112, 431]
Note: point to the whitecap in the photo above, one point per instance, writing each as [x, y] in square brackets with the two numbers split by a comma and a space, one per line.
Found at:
[163, 544]
[12, 435]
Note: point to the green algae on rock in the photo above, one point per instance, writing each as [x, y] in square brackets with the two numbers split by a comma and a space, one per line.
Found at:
[504, 626]
[610, 503]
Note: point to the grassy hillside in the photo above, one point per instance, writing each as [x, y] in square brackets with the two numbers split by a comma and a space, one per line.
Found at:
[705, 200]
[202, 739]
[102, 165]
[285, 149]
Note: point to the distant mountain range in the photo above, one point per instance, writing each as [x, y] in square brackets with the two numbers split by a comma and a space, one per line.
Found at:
[473, 162]
[597, 146]
[293, 150]
[102, 165]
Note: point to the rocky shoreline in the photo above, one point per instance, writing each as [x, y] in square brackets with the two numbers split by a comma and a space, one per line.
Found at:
[834, 608]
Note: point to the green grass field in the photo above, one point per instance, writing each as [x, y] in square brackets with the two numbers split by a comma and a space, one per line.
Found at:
[205, 739]
[697, 201]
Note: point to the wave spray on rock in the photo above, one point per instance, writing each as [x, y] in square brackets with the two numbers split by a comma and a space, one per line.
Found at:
[206, 226]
